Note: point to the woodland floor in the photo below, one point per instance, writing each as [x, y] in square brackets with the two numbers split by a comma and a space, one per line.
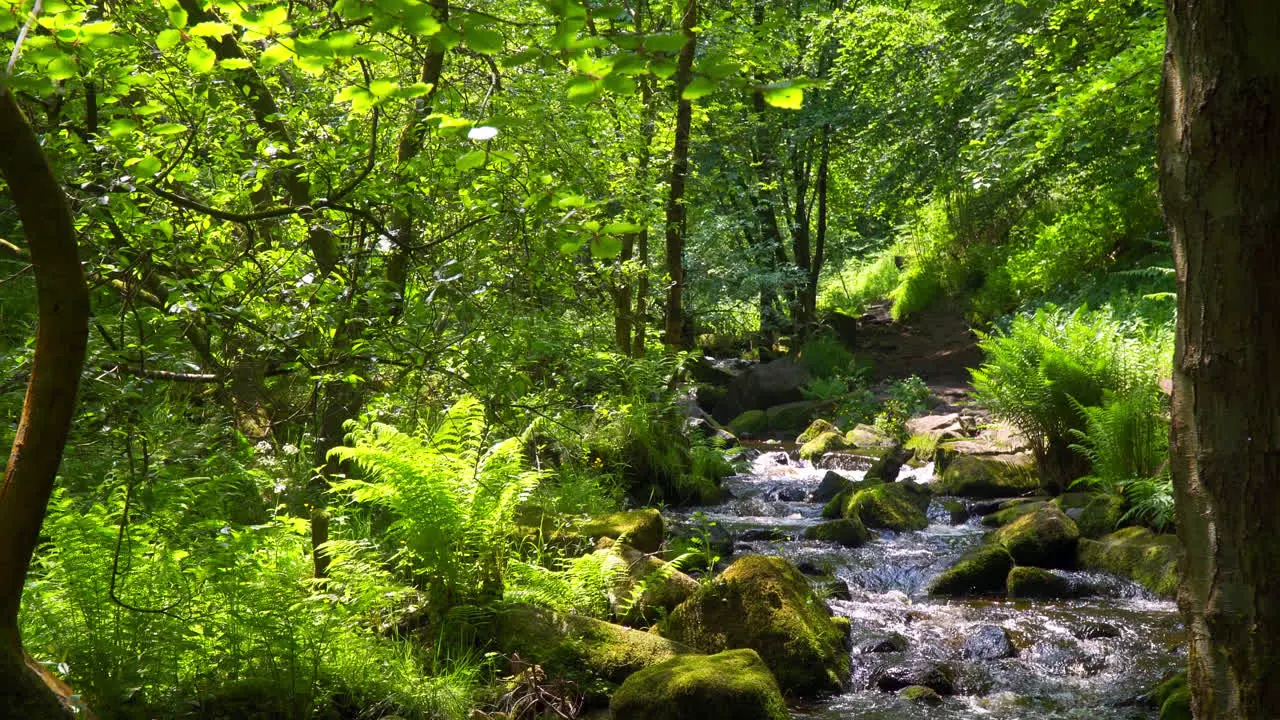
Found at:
[935, 344]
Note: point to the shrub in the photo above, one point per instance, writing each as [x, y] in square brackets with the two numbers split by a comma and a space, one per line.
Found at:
[906, 399]
[1126, 438]
[1046, 367]
[860, 282]
[826, 357]
[824, 388]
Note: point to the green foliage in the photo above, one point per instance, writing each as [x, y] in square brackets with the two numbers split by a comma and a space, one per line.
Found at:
[824, 388]
[860, 282]
[451, 499]
[581, 586]
[1126, 438]
[1150, 501]
[826, 357]
[907, 398]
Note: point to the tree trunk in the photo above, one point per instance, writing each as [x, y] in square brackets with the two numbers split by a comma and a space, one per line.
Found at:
[1220, 182]
[810, 299]
[61, 335]
[679, 173]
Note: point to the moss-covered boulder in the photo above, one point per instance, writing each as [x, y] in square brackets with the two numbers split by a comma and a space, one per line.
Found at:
[816, 428]
[628, 569]
[1096, 514]
[1046, 538]
[765, 604]
[793, 417]
[1173, 697]
[921, 695]
[1033, 583]
[749, 423]
[578, 647]
[981, 571]
[1011, 511]
[988, 476]
[821, 445]
[849, 532]
[731, 685]
[889, 506]
[643, 528]
[1149, 559]
[868, 437]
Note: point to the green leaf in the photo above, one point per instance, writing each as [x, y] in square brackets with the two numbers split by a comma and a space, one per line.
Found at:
[606, 247]
[168, 129]
[62, 67]
[121, 127]
[382, 88]
[787, 98]
[484, 40]
[621, 228]
[472, 160]
[210, 29]
[166, 39]
[666, 42]
[144, 167]
[360, 98]
[274, 55]
[570, 248]
[201, 58]
[235, 64]
[698, 87]
[583, 90]
[177, 16]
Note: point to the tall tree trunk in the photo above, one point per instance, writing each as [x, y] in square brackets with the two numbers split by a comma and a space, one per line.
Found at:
[1220, 181]
[810, 295]
[801, 228]
[679, 173]
[47, 411]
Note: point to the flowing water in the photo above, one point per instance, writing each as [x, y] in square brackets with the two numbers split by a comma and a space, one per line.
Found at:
[1090, 658]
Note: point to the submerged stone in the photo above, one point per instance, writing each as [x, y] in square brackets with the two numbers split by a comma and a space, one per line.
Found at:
[989, 642]
[732, 685]
[1033, 583]
[921, 695]
[938, 677]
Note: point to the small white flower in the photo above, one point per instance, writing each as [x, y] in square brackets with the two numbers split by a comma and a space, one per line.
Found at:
[289, 449]
[484, 132]
[307, 279]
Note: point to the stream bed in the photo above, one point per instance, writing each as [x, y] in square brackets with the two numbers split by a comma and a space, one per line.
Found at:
[1075, 659]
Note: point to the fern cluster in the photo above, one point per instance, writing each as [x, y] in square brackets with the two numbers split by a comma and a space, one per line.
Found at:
[451, 499]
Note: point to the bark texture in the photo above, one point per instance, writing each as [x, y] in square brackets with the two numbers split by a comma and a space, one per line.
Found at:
[49, 406]
[679, 174]
[1220, 182]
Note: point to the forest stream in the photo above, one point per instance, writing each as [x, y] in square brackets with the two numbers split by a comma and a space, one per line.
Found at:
[1089, 658]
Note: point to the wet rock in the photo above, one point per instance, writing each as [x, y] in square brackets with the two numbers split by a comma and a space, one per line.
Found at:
[763, 386]
[938, 677]
[886, 468]
[1149, 559]
[726, 686]
[891, 643]
[834, 589]
[1173, 697]
[982, 571]
[703, 428]
[847, 532]
[843, 461]
[989, 642]
[788, 493]
[643, 528]
[1009, 512]
[1096, 514]
[765, 604]
[921, 695]
[751, 423]
[984, 476]
[868, 437]
[812, 567]
[833, 483]
[1096, 631]
[628, 568]
[1045, 538]
[767, 534]
[1033, 583]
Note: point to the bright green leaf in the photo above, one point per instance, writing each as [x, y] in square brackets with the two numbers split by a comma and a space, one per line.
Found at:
[472, 160]
[698, 87]
[605, 247]
[210, 29]
[235, 64]
[787, 98]
[621, 228]
[484, 40]
[168, 38]
[168, 129]
[61, 68]
[201, 58]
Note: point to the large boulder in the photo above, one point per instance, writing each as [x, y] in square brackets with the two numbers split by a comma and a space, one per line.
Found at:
[821, 445]
[791, 417]
[732, 685]
[1096, 514]
[868, 437]
[750, 423]
[987, 476]
[1149, 559]
[942, 427]
[765, 604]
[1046, 538]
[1012, 510]
[889, 506]
[833, 483]
[763, 386]
[643, 528]
[981, 571]
[848, 532]
[1033, 583]
[816, 428]
[578, 647]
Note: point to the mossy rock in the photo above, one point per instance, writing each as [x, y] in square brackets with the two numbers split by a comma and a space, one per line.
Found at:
[1096, 514]
[821, 445]
[981, 571]
[849, 532]
[1006, 515]
[816, 428]
[1046, 538]
[732, 685]
[643, 528]
[791, 417]
[988, 476]
[1138, 554]
[889, 506]
[579, 648]
[765, 604]
[1033, 583]
[749, 423]
[886, 467]
[866, 437]
[1173, 697]
[664, 587]
[921, 695]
